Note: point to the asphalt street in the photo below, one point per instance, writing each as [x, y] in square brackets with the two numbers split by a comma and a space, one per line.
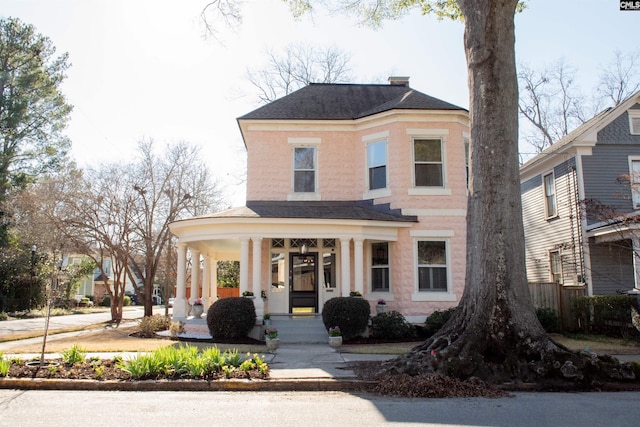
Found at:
[309, 409]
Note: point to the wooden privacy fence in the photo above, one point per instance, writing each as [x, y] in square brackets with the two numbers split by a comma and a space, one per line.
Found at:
[558, 298]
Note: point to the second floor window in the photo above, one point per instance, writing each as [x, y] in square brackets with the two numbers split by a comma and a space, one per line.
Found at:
[427, 155]
[380, 267]
[304, 170]
[377, 164]
[550, 195]
[634, 182]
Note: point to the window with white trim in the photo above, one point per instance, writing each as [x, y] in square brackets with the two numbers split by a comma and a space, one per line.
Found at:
[549, 183]
[634, 181]
[432, 266]
[428, 162]
[304, 169]
[380, 267]
[555, 259]
[634, 121]
[377, 164]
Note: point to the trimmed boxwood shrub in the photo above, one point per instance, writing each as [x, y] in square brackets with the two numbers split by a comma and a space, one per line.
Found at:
[350, 314]
[436, 320]
[230, 318]
[392, 326]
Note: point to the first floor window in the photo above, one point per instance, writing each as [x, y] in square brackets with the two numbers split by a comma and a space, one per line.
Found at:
[304, 170]
[380, 267]
[432, 266]
[556, 267]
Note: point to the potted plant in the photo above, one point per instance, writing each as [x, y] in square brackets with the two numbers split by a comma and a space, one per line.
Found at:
[335, 336]
[197, 308]
[381, 307]
[355, 294]
[271, 338]
[266, 319]
[248, 294]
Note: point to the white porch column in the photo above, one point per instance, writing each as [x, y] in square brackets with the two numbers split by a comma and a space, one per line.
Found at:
[257, 276]
[195, 275]
[345, 263]
[206, 283]
[358, 265]
[244, 265]
[180, 304]
[214, 281]
[636, 261]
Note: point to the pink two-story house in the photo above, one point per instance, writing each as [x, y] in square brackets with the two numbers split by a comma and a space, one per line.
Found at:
[350, 187]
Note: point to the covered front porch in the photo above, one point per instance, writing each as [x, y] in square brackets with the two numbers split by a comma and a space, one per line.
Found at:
[291, 263]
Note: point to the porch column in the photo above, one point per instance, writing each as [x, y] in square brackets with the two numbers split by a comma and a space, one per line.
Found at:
[214, 281]
[636, 261]
[257, 276]
[195, 275]
[206, 282]
[244, 265]
[180, 303]
[358, 265]
[345, 263]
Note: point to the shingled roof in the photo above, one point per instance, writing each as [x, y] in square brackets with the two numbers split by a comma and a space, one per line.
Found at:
[330, 101]
[350, 210]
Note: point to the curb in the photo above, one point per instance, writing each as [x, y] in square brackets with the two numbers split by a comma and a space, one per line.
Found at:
[188, 385]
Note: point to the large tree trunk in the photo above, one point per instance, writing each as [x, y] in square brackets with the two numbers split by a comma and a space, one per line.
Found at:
[494, 334]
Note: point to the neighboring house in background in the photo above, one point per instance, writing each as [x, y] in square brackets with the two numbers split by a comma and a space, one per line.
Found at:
[350, 188]
[580, 199]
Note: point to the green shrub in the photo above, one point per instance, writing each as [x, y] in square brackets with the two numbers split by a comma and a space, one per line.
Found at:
[230, 318]
[126, 301]
[3, 315]
[548, 319]
[75, 354]
[436, 320]
[151, 324]
[106, 302]
[392, 326]
[606, 314]
[350, 314]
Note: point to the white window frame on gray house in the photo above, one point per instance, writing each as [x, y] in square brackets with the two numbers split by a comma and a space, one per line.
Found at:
[634, 180]
[634, 121]
[555, 266]
[549, 191]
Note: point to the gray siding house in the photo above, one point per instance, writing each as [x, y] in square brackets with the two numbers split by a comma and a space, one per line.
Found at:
[581, 205]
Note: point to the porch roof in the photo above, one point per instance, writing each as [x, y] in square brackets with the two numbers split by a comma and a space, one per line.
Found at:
[353, 210]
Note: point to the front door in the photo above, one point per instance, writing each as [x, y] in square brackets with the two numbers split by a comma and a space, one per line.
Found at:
[303, 283]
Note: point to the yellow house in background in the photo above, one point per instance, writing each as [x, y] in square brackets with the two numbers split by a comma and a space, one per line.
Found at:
[350, 188]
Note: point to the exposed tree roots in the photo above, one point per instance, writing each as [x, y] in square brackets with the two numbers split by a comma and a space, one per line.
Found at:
[511, 359]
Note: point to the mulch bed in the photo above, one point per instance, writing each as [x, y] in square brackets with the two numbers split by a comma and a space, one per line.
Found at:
[105, 370]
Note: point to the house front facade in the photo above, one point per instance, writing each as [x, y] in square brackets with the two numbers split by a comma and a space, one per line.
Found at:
[351, 188]
[581, 201]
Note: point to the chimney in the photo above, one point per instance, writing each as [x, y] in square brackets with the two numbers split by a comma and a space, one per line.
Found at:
[399, 81]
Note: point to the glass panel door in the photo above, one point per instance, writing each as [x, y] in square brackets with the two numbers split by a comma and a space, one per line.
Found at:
[303, 283]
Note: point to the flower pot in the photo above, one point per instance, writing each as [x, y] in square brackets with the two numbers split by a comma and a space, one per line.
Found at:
[266, 322]
[197, 310]
[335, 341]
[381, 308]
[272, 343]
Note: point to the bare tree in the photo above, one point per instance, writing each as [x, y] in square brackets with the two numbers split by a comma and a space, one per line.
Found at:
[621, 77]
[298, 66]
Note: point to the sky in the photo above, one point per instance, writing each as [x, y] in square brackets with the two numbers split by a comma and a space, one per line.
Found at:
[143, 69]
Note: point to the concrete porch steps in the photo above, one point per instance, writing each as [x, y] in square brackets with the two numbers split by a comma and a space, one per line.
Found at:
[292, 329]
